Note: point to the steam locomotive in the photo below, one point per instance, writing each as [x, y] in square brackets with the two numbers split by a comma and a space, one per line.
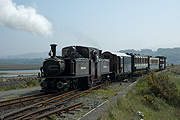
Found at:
[83, 67]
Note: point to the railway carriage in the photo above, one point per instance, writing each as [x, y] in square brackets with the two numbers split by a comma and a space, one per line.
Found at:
[140, 62]
[120, 64]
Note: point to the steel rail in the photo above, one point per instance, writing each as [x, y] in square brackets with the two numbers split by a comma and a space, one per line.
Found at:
[48, 108]
[60, 110]
[5, 101]
[37, 104]
[56, 104]
[24, 99]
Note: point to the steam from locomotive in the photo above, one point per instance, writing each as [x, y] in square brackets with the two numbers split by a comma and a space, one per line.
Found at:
[23, 18]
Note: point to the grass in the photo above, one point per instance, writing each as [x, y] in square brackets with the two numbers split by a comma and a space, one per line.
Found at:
[176, 80]
[126, 109]
[108, 92]
[174, 69]
[4, 73]
[29, 84]
[142, 98]
[53, 117]
[105, 93]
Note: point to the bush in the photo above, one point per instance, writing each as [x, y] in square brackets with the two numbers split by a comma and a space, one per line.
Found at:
[160, 86]
[32, 83]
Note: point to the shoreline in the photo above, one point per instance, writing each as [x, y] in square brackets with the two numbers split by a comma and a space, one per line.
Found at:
[19, 67]
[19, 73]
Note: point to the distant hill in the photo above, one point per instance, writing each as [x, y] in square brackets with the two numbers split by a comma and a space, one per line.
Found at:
[24, 59]
[172, 54]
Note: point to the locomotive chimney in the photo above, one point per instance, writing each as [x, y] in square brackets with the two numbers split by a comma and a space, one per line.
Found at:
[53, 50]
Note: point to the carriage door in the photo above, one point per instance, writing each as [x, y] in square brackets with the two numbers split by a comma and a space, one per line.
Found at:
[96, 69]
[94, 64]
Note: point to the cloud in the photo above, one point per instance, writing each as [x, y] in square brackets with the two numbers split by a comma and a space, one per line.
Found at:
[23, 18]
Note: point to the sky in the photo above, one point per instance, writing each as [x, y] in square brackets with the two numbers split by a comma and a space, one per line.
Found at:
[105, 24]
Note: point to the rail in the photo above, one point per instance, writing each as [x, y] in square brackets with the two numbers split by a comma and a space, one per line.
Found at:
[45, 106]
[23, 99]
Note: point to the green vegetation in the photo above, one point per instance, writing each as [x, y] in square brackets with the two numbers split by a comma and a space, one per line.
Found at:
[53, 117]
[174, 70]
[157, 96]
[108, 92]
[3, 73]
[105, 93]
[31, 83]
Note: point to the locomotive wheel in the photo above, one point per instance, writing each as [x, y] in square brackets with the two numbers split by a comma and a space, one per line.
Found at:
[63, 85]
[75, 84]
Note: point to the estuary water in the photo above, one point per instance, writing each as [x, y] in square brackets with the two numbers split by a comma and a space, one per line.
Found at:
[16, 73]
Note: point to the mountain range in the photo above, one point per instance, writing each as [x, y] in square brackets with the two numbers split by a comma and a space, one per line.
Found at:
[172, 54]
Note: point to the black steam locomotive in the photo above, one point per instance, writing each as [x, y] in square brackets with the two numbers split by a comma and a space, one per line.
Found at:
[78, 67]
[83, 67]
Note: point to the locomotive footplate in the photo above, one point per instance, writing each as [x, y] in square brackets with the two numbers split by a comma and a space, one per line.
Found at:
[66, 77]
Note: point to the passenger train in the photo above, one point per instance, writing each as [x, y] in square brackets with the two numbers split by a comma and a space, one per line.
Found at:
[83, 67]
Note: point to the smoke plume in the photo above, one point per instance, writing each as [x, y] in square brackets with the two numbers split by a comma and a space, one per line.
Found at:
[23, 18]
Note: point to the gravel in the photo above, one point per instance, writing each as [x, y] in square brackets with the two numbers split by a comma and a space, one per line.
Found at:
[95, 104]
[16, 81]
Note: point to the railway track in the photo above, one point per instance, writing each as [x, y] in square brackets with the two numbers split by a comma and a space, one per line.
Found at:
[60, 110]
[49, 106]
[21, 100]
